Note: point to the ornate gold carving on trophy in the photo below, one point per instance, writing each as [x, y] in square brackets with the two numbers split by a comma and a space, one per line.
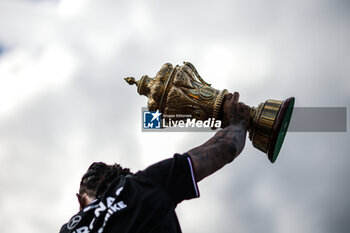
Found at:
[181, 90]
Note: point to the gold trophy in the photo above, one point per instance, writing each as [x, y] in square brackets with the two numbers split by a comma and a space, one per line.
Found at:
[180, 90]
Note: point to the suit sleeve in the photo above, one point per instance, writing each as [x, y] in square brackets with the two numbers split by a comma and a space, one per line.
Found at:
[176, 176]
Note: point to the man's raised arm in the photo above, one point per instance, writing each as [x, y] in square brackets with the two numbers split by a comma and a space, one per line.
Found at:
[226, 144]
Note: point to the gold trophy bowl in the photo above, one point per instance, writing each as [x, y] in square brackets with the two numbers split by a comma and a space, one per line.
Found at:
[180, 90]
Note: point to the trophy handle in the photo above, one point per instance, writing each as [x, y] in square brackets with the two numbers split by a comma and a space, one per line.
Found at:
[191, 66]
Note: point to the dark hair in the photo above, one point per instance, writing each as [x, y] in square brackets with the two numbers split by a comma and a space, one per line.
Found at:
[98, 177]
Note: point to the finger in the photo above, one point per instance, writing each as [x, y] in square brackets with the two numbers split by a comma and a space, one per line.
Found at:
[235, 97]
[241, 106]
[246, 110]
[228, 96]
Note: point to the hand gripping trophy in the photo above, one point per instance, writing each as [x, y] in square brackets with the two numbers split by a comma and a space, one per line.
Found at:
[181, 90]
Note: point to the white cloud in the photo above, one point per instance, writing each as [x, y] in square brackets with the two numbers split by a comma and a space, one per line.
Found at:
[69, 8]
[26, 74]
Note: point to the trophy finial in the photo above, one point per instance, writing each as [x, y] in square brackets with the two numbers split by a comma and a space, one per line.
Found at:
[131, 81]
[143, 85]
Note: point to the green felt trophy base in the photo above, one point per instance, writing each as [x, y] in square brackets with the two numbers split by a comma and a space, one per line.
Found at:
[270, 121]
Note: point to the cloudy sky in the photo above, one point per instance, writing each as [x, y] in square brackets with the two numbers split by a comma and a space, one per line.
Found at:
[64, 104]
